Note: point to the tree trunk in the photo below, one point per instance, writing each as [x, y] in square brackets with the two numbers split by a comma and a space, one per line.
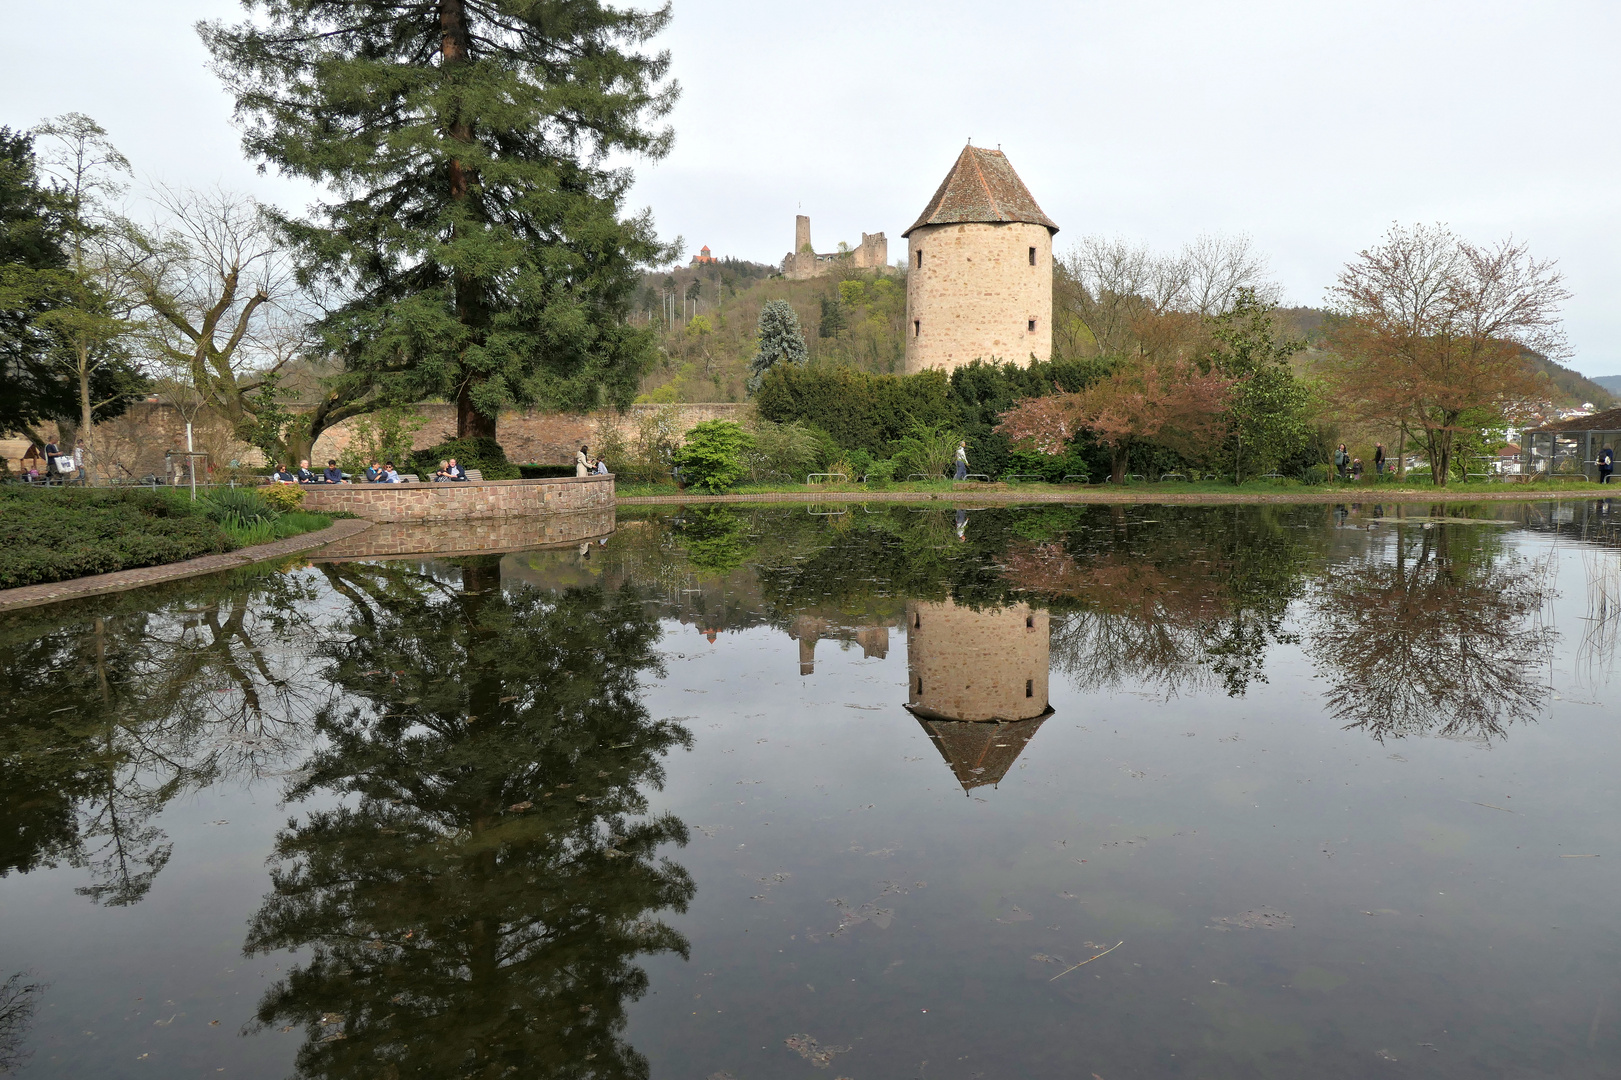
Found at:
[1117, 465]
[85, 431]
[470, 423]
[1401, 452]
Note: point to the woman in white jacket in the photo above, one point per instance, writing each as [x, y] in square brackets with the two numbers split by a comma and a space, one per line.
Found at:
[582, 464]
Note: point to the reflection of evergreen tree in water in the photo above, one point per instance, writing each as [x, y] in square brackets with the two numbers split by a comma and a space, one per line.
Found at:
[1439, 635]
[476, 905]
[110, 709]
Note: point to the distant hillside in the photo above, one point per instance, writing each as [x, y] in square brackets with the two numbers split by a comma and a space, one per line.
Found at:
[1566, 388]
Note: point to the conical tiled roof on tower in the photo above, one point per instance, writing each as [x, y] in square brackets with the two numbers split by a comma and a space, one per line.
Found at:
[981, 187]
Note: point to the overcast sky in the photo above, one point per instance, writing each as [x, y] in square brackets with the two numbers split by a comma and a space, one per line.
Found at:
[1309, 126]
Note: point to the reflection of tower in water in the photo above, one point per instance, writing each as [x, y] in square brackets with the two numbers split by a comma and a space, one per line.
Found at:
[977, 682]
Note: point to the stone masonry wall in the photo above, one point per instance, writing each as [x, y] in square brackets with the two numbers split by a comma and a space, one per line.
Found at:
[490, 536]
[133, 445]
[464, 501]
[975, 293]
[974, 665]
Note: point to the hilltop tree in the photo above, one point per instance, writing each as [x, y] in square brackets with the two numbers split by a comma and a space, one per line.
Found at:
[781, 341]
[1438, 334]
[476, 229]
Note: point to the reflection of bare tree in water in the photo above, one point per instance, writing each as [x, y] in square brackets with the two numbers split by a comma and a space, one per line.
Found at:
[1172, 608]
[18, 997]
[476, 903]
[106, 718]
[1439, 635]
[1601, 630]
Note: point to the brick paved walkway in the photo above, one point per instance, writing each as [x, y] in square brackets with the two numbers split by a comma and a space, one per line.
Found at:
[96, 584]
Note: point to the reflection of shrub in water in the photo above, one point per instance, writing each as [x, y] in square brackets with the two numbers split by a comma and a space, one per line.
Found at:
[1441, 635]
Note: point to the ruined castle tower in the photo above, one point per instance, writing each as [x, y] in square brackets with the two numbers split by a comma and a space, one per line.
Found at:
[980, 270]
[977, 683]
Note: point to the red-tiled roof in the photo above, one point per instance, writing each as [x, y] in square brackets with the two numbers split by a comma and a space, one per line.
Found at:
[1608, 420]
[981, 187]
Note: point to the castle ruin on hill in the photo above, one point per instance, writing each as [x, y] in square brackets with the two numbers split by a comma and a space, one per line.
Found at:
[804, 262]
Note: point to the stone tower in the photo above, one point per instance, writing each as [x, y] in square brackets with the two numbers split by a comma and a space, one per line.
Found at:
[977, 682]
[979, 278]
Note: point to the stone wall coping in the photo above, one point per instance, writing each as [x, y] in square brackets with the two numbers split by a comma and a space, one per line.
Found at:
[459, 485]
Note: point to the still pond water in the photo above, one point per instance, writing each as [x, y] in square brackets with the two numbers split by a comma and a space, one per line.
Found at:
[827, 792]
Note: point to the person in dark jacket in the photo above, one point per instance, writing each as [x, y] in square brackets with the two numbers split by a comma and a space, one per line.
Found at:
[1606, 464]
[455, 471]
[333, 474]
[1379, 459]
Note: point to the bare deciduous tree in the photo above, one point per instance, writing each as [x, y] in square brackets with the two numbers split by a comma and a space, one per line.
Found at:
[1438, 334]
[229, 319]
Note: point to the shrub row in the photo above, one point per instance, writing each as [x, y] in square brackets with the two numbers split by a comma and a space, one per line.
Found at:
[62, 533]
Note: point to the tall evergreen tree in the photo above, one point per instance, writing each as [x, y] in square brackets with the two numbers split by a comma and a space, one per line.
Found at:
[781, 341]
[476, 227]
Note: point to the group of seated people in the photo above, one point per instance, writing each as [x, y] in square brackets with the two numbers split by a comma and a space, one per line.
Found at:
[376, 473]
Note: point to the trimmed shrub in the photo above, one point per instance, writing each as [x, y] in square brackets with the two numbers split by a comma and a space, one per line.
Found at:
[283, 497]
[859, 410]
[65, 533]
[713, 458]
[485, 455]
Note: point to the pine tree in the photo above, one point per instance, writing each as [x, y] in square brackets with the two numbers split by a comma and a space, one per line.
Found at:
[781, 341]
[476, 230]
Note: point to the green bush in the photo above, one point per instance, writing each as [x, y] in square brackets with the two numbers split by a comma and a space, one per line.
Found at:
[881, 473]
[781, 451]
[64, 533]
[284, 497]
[239, 507]
[484, 455]
[927, 449]
[713, 458]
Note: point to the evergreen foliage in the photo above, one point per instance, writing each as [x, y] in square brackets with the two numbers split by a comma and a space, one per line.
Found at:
[485, 455]
[1269, 410]
[782, 342]
[859, 410]
[476, 228]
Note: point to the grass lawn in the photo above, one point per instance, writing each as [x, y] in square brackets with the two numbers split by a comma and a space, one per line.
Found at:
[55, 534]
[1366, 488]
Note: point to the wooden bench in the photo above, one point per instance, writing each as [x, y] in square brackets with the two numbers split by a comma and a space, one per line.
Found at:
[474, 474]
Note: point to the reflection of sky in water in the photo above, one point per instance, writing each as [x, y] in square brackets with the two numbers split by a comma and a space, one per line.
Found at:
[1320, 771]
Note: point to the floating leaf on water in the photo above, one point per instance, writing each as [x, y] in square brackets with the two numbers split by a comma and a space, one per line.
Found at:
[1018, 914]
[1257, 919]
[811, 1050]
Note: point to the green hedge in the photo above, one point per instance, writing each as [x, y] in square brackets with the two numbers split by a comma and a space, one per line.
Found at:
[860, 410]
[62, 533]
[484, 455]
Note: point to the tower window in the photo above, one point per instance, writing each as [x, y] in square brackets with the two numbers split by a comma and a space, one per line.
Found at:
[920, 685]
[1029, 688]
[1032, 257]
[917, 620]
[920, 258]
[1029, 622]
[1032, 326]
[917, 327]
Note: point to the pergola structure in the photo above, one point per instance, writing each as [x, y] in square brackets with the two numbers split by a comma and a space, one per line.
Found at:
[1571, 447]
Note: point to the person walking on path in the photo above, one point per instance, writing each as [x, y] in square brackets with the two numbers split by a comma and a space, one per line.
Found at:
[582, 464]
[962, 460]
[1379, 459]
[1606, 464]
[1342, 460]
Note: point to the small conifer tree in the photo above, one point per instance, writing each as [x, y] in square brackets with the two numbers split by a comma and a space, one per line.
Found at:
[781, 341]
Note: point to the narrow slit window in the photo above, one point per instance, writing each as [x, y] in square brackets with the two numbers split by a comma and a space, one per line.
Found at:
[1029, 687]
[917, 621]
[919, 685]
[1029, 622]
[1032, 326]
[917, 327]
[920, 258]
[1032, 257]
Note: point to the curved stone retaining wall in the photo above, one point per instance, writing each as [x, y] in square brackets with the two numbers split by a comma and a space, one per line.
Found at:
[467, 501]
[490, 536]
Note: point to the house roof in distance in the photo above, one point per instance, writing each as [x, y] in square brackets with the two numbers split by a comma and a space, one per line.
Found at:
[981, 187]
[1608, 420]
